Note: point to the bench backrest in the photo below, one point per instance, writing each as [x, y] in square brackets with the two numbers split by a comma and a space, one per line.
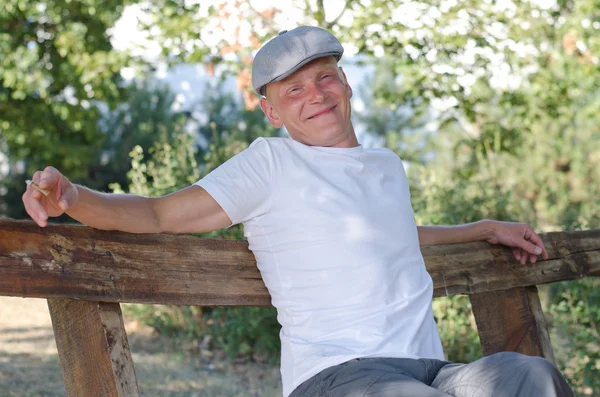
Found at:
[84, 273]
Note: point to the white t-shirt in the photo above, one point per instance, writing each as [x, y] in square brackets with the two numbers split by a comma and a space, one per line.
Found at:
[336, 243]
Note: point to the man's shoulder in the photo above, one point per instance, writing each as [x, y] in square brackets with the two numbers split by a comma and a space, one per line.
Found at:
[383, 152]
[270, 142]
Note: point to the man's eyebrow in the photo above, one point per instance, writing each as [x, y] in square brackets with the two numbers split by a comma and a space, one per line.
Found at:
[289, 81]
[330, 67]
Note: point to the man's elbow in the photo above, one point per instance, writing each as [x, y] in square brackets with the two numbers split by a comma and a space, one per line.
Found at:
[160, 222]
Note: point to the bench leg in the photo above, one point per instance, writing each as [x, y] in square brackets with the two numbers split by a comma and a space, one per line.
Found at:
[512, 320]
[93, 348]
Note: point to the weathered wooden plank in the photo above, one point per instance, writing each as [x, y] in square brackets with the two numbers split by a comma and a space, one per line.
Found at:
[512, 320]
[84, 263]
[93, 349]
[480, 267]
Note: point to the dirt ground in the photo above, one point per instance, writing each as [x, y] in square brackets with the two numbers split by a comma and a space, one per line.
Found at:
[29, 365]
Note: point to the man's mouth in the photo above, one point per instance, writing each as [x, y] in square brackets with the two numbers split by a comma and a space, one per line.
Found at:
[322, 112]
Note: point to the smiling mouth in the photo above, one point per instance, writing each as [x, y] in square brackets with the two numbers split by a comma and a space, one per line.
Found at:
[326, 111]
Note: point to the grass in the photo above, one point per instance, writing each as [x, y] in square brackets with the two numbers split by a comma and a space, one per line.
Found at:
[165, 367]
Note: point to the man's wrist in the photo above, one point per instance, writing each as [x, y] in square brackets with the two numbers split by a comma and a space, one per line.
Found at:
[486, 229]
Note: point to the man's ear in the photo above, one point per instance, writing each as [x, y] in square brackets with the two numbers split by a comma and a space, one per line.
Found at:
[345, 81]
[270, 112]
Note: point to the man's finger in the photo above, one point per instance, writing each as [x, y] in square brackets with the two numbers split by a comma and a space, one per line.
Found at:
[517, 253]
[524, 257]
[48, 178]
[67, 199]
[537, 240]
[36, 177]
[36, 211]
[530, 248]
[30, 191]
[36, 194]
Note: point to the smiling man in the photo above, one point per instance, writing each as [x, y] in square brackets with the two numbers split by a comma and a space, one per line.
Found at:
[313, 104]
[333, 232]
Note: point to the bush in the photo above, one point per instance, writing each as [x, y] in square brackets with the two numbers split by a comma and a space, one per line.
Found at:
[242, 332]
[457, 329]
[575, 316]
[182, 321]
[246, 331]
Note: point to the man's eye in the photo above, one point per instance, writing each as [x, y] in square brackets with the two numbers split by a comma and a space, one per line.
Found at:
[325, 76]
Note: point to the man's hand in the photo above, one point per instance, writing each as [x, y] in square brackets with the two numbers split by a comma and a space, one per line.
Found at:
[62, 194]
[525, 243]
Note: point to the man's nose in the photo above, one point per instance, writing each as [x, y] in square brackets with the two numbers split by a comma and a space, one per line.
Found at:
[316, 93]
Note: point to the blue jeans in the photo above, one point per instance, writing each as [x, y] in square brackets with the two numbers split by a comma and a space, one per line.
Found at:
[504, 374]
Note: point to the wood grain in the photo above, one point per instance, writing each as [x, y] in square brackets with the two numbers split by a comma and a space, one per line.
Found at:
[512, 320]
[65, 261]
[93, 349]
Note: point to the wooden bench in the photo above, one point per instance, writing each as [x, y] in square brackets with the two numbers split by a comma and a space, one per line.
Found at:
[85, 273]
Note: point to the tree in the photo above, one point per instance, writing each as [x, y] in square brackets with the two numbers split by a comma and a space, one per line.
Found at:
[57, 63]
[146, 118]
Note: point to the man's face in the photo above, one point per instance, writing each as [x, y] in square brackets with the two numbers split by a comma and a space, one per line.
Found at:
[313, 104]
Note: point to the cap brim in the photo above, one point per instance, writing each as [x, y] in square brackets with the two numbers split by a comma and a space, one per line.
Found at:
[335, 54]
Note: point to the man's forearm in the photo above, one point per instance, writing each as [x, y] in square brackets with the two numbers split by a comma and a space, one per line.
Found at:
[437, 235]
[124, 212]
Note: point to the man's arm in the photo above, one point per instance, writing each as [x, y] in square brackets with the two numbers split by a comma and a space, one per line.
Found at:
[438, 235]
[525, 243]
[190, 210]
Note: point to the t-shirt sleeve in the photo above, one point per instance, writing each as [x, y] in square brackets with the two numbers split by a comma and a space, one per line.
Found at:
[242, 185]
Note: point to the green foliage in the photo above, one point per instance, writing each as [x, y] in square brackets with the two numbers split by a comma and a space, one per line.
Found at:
[575, 315]
[241, 332]
[56, 65]
[170, 166]
[56, 60]
[180, 321]
[457, 329]
[145, 119]
[246, 331]
[394, 126]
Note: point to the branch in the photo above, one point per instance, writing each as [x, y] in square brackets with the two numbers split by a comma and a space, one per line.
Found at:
[336, 19]
[266, 21]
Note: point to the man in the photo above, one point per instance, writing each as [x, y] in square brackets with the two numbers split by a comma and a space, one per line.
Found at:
[333, 232]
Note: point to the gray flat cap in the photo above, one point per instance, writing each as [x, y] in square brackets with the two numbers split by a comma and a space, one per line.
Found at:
[289, 51]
